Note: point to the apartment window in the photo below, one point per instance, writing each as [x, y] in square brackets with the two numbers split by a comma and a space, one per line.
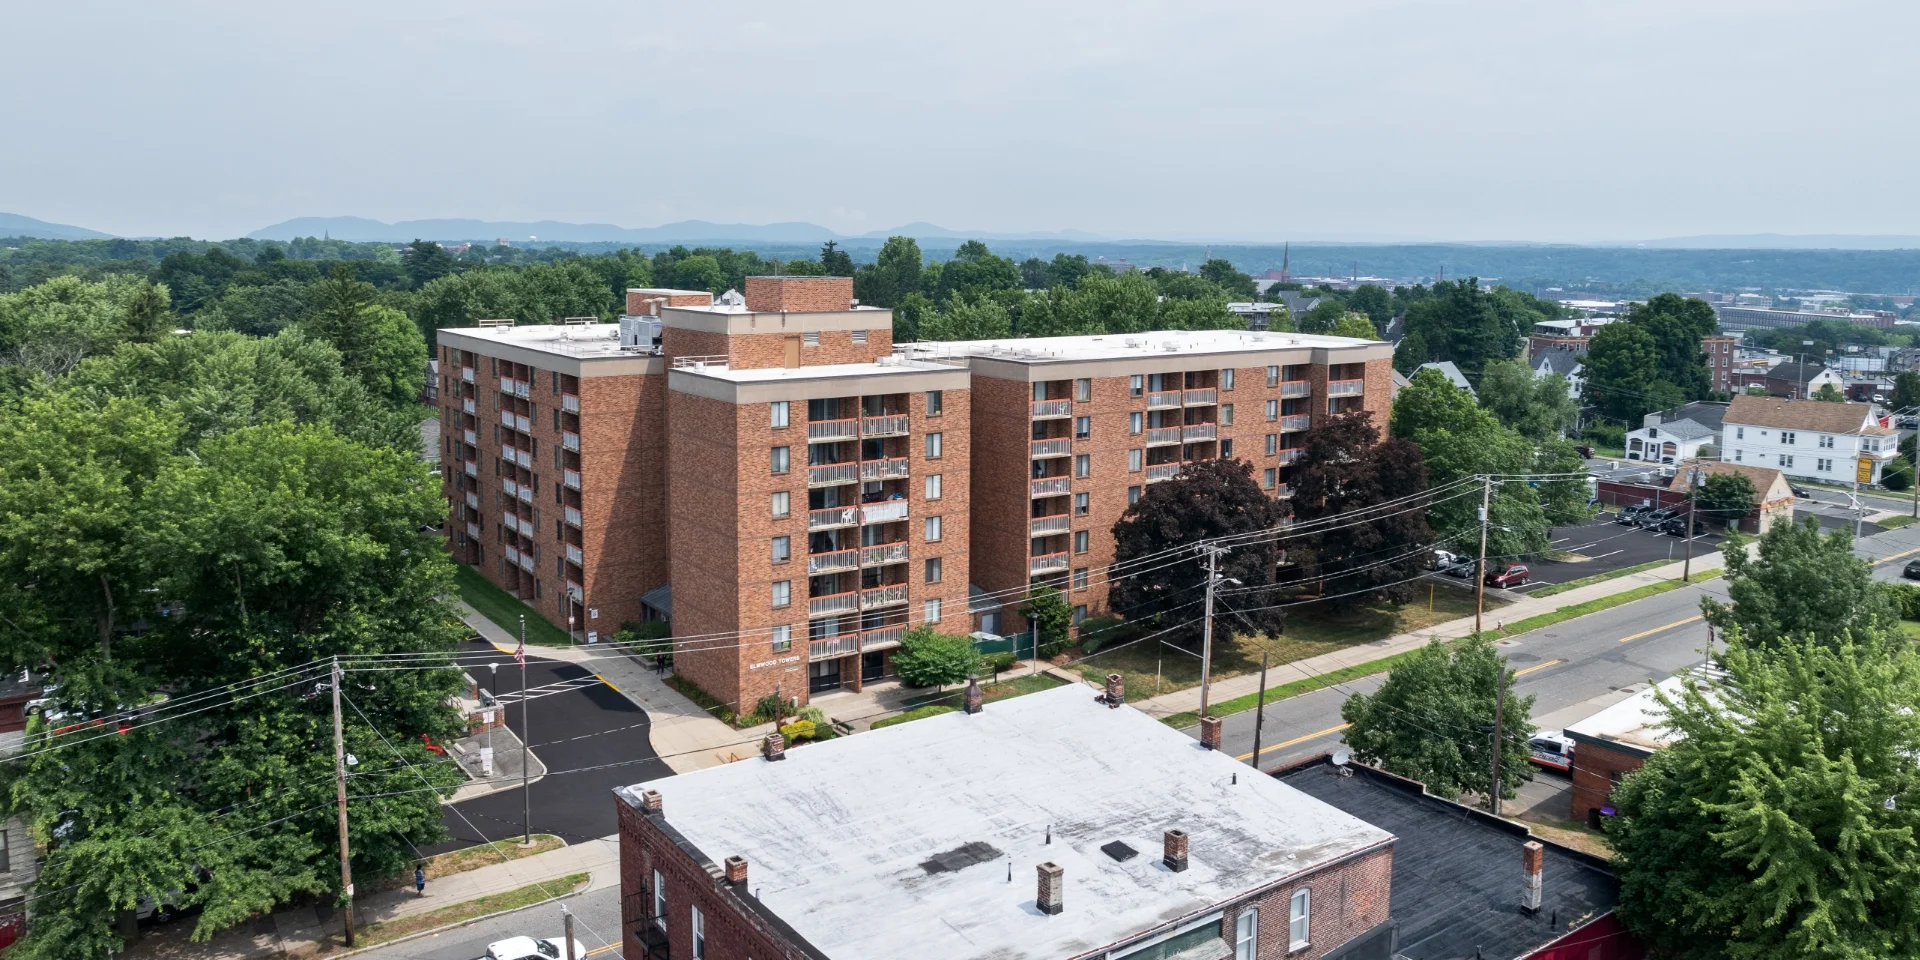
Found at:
[1134, 458]
[931, 530]
[782, 638]
[1226, 379]
[1739, 455]
[1080, 578]
[659, 901]
[1082, 465]
[777, 414]
[1273, 444]
[1226, 414]
[782, 504]
[1082, 427]
[810, 339]
[1786, 437]
[1135, 384]
[936, 403]
[933, 570]
[1826, 442]
[933, 446]
[1786, 459]
[931, 611]
[933, 486]
[1739, 433]
[1273, 376]
[1079, 614]
[1135, 422]
[782, 549]
[780, 461]
[782, 592]
[859, 336]
[1267, 478]
[1081, 504]
[1246, 934]
[1297, 917]
[1083, 390]
[1273, 409]
[700, 928]
[1226, 448]
[1133, 496]
[1080, 541]
[1823, 465]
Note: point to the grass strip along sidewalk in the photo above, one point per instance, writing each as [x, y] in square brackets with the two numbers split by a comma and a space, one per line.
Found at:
[1384, 664]
[1553, 588]
[505, 609]
[391, 930]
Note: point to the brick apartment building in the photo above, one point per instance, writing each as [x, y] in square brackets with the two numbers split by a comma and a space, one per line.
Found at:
[793, 491]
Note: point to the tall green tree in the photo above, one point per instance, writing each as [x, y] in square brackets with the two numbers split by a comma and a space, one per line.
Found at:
[1724, 498]
[1802, 585]
[1461, 322]
[1354, 325]
[835, 261]
[975, 271]
[1780, 822]
[700, 273]
[426, 262]
[1410, 353]
[1345, 471]
[1538, 407]
[1676, 324]
[1223, 274]
[1906, 391]
[967, 317]
[1460, 440]
[893, 275]
[1621, 372]
[1828, 393]
[1432, 721]
[928, 658]
[1051, 618]
[377, 344]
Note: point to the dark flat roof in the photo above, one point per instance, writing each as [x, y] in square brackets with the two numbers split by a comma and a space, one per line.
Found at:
[1456, 871]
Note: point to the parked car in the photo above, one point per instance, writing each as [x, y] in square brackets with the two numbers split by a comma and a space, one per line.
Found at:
[1676, 526]
[1461, 567]
[1510, 576]
[1912, 571]
[1802, 492]
[527, 948]
[1630, 513]
[1551, 750]
[1442, 559]
[1652, 519]
[1584, 450]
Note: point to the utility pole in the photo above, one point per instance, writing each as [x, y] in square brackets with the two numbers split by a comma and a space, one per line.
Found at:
[1499, 711]
[1693, 498]
[1480, 569]
[493, 671]
[1260, 710]
[526, 743]
[568, 920]
[1213, 552]
[340, 790]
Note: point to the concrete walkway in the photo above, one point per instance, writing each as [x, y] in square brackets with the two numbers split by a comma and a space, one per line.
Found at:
[302, 931]
[1188, 700]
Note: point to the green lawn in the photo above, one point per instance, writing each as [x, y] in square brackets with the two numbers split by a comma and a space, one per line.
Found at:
[1888, 524]
[1009, 687]
[505, 609]
[1908, 627]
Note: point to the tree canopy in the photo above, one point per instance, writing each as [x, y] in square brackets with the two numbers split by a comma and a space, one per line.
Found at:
[1802, 585]
[1345, 472]
[1539, 408]
[1431, 720]
[929, 658]
[1459, 321]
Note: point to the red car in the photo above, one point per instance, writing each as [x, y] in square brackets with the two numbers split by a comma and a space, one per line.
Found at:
[1512, 576]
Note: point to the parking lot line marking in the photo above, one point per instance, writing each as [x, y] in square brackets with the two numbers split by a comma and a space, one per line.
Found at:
[615, 689]
[1670, 626]
[1296, 740]
[1537, 666]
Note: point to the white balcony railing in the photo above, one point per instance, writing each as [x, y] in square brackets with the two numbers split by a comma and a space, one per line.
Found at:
[1298, 421]
[507, 384]
[523, 458]
[834, 647]
[880, 638]
[1199, 398]
[466, 374]
[526, 493]
[883, 554]
[833, 562]
[470, 438]
[1346, 388]
[576, 591]
[513, 556]
[473, 531]
[466, 406]
[571, 478]
[522, 389]
[886, 512]
[512, 522]
[1048, 563]
[573, 516]
[833, 431]
[1198, 431]
[506, 452]
[833, 474]
[832, 517]
[1289, 456]
[887, 596]
[1163, 399]
[570, 440]
[890, 425]
[1162, 436]
[883, 469]
[1297, 388]
[1048, 526]
[1052, 409]
[526, 560]
[1283, 491]
[472, 469]
[473, 500]
[576, 556]
[570, 403]
[848, 602]
[510, 488]
[1058, 447]
[1050, 486]
[1162, 471]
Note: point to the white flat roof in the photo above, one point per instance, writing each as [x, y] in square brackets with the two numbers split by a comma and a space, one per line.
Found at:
[571, 340]
[1122, 346]
[1634, 722]
[894, 366]
[896, 843]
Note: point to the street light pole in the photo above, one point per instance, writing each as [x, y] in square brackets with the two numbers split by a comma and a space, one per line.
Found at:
[526, 744]
[494, 670]
[1480, 569]
[1213, 552]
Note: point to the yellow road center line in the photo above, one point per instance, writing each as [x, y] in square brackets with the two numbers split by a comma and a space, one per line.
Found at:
[1889, 558]
[1295, 740]
[1537, 666]
[1669, 626]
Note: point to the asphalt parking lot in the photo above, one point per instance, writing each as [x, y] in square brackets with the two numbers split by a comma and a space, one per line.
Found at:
[1604, 546]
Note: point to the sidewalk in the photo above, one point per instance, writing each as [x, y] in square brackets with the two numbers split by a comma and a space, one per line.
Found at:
[299, 931]
[1188, 700]
[685, 736]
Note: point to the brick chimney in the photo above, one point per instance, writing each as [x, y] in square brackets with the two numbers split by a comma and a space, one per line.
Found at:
[775, 747]
[651, 801]
[799, 294]
[737, 871]
[1174, 844]
[1116, 690]
[1532, 857]
[1053, 885]
[974, 697]
[1210, 732]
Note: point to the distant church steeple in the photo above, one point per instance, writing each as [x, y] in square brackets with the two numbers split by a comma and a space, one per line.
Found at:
[1286, 252]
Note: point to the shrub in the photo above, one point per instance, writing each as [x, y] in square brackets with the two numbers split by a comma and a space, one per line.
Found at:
[1097, 632]
[1907, 598]
[930, 659]
[814, 714]
[1897, 475]
[647, 639]
[1051, 618]
[996, 662]
[1605, 434]
[798, 730]
[769, 708]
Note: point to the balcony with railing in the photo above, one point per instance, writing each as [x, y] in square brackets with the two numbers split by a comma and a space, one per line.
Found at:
[885, 512]
[466, 374]
[1283, 491]
[466, 406]
[833, 562]
[833, 474]
[834, 603]
[513, 556]
[571, 478]
[1195, 432]
[1048, 563]
[1052, 409]
[1163, 400]
[1200, 397]
[526, 560]
[1162, 436]
[507, 384]
[881, 638]
[1289, 456]
[576, 591]
[510, 487]
[1057, 447]
[523, 458]
[1296, 388]
[472, 469]
[834, 647]
[526, 493]
[883, 554]
[891, 595]
[832, 517]
[1051, 486]
[833, 431]
[473, 500]
[522, 389]
[468, 435]
[1162, 471]
[573, 517]
[576, 556]
[1346, 388]
[512, 522]
[570, 403]
[1298, 421]
[892, 469]
[473, 531]
[889, 425]
[506, 452]
[1048, 526]
[570, 440]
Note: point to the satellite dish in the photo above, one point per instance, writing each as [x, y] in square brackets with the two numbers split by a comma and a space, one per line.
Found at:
[1342, 756]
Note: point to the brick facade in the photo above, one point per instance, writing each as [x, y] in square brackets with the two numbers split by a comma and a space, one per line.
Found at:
[647, 301]
[1596, 768]
[799, 294]
[1344, 901]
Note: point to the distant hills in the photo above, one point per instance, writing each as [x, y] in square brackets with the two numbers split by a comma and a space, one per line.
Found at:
[701, 231]
[15, 225]
[1788, 241]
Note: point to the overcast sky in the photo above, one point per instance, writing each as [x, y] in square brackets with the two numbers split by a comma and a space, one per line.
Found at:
[1275, 119]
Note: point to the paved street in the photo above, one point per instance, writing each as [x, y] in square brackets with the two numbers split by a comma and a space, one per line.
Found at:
[596, 924]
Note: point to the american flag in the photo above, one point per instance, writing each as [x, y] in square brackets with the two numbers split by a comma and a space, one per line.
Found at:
[520, 652]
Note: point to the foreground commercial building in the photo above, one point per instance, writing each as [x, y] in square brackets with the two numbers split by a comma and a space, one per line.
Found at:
[794, 491]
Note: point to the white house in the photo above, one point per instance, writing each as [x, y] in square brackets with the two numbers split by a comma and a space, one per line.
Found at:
[1812, 439]
[1669, 442]
[1564, 362]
